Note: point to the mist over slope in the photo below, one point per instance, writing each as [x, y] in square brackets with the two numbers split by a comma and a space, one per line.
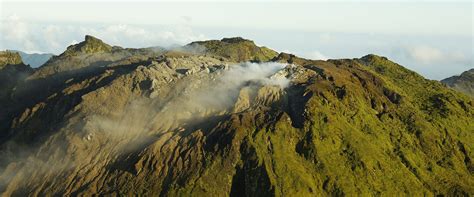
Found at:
[227, 117]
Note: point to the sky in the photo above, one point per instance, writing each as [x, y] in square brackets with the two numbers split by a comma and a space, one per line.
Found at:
[433, 38]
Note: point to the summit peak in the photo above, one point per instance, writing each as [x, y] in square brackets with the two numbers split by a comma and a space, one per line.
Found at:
[90, 44]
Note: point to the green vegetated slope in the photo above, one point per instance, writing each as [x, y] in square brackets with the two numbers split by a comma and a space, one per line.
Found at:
[364, 126]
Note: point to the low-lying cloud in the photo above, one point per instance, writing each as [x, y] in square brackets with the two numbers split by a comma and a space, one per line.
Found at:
[429, 55]
[221, 93]
[314, 54]
[255, 72]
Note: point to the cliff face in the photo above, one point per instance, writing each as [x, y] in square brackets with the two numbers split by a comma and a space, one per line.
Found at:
[463, 83]
[207, 122]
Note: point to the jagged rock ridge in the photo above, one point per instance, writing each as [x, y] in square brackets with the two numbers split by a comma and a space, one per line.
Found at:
[175, 123]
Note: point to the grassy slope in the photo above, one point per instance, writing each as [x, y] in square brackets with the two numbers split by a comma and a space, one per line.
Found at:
[419, 144]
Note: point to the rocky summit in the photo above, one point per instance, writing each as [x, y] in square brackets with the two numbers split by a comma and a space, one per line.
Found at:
[9, 58]
[229, 118]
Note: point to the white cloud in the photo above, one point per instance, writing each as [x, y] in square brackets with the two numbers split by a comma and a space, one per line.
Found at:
[326, 38]
[316, 55]
[430, 55]
[27, 36]
[17, 31]
[51, 34]
[425, 55]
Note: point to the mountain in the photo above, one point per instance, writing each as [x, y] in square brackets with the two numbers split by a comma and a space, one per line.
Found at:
[230, 118]
[463, 83]
[35, 60]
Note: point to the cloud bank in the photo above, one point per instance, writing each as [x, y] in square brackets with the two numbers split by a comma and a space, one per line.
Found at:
[430, 55]
[36, 37]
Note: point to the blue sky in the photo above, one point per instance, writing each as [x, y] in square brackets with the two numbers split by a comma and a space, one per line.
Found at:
[434, 38]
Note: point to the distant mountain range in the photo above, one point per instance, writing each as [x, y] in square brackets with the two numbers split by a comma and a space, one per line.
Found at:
[463, 83]
[34, 59]
[228, 118]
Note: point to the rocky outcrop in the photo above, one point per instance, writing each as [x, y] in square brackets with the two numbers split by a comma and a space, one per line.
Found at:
[89, 45]
[9, 58]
